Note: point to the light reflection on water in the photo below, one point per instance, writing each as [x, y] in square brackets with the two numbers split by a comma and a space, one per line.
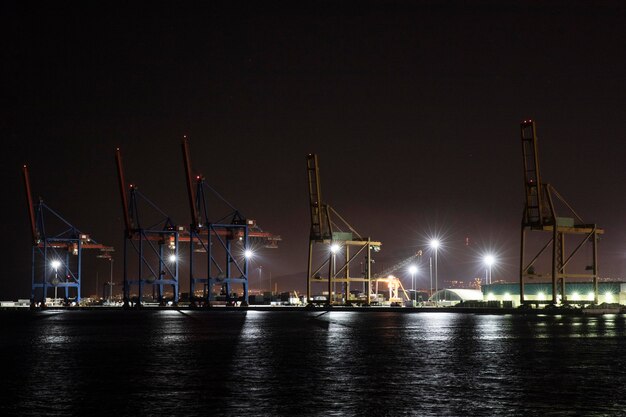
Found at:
[311, 363]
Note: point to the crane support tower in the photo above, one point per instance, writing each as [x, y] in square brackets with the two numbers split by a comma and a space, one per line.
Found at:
[56, 256]
[152, 251]
[543, 213]
[220, 250]
[339, 248]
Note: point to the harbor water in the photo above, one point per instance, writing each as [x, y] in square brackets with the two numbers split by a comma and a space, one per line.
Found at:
[281, 363]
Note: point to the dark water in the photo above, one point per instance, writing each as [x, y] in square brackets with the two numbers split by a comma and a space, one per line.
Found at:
[308, 363]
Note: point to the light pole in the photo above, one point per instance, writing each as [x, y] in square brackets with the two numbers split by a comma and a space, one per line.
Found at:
[109, 258]
[434, 245]
[430, 266]
[111, 283]
[248, 255]
[55, 264]
[489, 260]
[334, 248]
[413, 271]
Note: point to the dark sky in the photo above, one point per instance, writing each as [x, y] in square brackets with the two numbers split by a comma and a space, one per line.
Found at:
[413, 108]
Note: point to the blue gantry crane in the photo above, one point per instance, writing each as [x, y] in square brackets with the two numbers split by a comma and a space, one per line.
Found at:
[151, 250]
[223, 246]
[56, 255]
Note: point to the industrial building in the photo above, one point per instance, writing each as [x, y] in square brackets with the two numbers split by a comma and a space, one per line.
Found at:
[581, 293]
[453, 296]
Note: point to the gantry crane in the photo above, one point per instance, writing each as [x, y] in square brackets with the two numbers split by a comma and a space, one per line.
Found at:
[385, 274]
[57, 256]
[540, 215]
[226, 242]
[154, 249]
[334, 235]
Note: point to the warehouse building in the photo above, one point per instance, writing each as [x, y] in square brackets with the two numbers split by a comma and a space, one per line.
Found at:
[453, 296]
[581, 292]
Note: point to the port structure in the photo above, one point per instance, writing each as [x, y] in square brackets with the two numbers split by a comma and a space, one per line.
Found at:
[339, 248]
[56, 255]
[548, 214]
[152, 251]
[394, 284]
[220, 250]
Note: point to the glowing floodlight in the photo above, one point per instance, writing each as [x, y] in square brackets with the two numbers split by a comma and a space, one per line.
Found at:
[541, 296]
[608, 297]
[248, 253]
[489, 260]
[334, 248]
[413, 269]
[434, 244]
[55, 264]
[172, 258]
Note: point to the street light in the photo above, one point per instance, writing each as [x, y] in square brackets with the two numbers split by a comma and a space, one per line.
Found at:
[434, 245]
[334, 249]
[172, 258]
[109, 258]
[248, 254]
[413, 271]
[489, 260]
[111, 283]
[55, 264]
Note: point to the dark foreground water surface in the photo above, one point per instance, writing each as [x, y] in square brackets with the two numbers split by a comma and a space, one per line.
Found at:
[146, 363]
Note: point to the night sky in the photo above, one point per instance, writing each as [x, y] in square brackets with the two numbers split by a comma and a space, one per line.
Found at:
[412, 107]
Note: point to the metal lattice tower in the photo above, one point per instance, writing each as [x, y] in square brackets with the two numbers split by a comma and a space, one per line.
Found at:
[220, 244]
[541, 215]
[332, 233]
[56, 255]
[154, 249]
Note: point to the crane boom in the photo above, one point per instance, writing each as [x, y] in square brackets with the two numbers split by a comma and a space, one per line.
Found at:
[320, 225]
[31, 209]
[399, 265]
[122, 184]
[190, 188]
[538, 211]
